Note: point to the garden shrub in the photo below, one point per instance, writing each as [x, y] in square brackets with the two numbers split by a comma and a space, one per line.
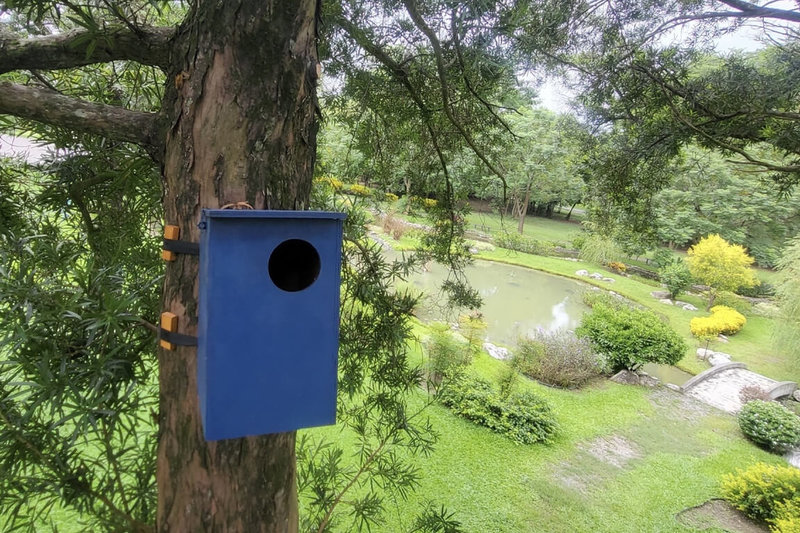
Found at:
[523, 417]
[599, 249]
[734, 301]
[618, 267]
[329, 181]
[390, 197]
[520, 243]
[559, 358]
[579, 241]
[676, 277]
[598, 297]
[447, 357]
[359, 190]
[394, 226]
[770, 425]
[423, 203]
[472, 326]
[723, 319]
[764, 290]
[762, 489]
[664, 257]
[753, 392]
[629, 338]
[787, 516]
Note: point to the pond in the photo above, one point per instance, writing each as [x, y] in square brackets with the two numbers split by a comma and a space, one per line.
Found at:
[517, 302]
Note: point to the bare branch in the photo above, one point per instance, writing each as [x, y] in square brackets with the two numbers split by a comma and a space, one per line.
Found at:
[413, 12]
[754, 11]
[50, 107]
[146, 45]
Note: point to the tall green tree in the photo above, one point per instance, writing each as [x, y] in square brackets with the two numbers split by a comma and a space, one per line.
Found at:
[662, 94]
[202, 107]
[540, 162]
[788, 292]
[709, 195]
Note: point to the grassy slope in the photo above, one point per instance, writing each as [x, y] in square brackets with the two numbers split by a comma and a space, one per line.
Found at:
[495, 485]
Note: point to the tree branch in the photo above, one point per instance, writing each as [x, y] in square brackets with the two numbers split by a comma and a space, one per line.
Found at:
[416, 17]
[752, 10]
[146, 45]
[50, 107]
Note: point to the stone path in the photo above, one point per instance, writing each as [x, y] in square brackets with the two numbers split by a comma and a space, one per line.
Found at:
[721, 389]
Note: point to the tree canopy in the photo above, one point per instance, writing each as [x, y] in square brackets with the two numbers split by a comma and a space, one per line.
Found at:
[159, 109]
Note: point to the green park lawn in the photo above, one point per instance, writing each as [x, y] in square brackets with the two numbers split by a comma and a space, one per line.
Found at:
[626, 459]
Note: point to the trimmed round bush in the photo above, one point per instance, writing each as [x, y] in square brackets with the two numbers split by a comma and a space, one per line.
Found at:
[723, 319]
[629, 338]
[763, 491]
[523, 417]
[770, 425]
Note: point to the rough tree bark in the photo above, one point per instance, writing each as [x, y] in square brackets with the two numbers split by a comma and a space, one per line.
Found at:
[238, 124]
[242, 127]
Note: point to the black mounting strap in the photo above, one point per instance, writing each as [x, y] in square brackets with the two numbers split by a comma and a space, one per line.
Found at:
[178, 339]
[182, 247]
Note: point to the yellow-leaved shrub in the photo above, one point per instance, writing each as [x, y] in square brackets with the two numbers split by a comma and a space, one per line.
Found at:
[723, 319]
[334, 183]
[359, 190]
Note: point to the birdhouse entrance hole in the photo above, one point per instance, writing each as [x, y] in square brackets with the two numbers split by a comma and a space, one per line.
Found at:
[294, 265]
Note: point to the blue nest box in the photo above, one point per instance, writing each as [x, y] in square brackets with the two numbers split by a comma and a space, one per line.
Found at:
[268, 321]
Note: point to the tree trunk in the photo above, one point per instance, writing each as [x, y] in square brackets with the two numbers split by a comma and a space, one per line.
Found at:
[407, 183]
[523, 210]
[241, 101]
[570, 210]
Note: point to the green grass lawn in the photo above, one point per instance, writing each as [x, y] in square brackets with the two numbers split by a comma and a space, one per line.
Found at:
[675, 451]
[546, 229]
[555, 229]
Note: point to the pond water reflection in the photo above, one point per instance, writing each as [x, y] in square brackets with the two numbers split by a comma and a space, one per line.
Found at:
[517, 301]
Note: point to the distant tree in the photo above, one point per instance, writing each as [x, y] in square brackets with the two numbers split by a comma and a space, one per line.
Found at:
[788, 292]
[539, 163]
[649, 96]
[676, 277]
[709, 195]
[722, 266]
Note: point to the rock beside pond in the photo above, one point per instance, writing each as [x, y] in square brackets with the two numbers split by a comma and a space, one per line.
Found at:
[596, 275]
[796, 395]
[689, 307]
[703, 353]
[609, 280]
[661, 295]
[629, 377]
[719, 358]
[714, 358]
[665, 301]
[581, 272]
[498, 352]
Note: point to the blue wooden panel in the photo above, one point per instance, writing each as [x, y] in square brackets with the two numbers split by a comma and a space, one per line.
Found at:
[268, 321]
